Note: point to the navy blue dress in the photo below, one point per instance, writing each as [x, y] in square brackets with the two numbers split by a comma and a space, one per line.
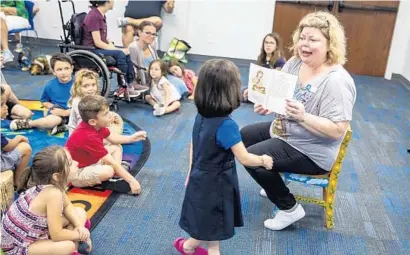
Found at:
[212, 207]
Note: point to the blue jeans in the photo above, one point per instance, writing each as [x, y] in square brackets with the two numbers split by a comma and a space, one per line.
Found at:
[123, 62]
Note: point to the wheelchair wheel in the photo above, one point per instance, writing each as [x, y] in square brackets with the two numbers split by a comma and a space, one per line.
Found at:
[90, 60]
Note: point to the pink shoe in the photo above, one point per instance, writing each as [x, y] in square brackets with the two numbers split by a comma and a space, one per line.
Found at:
[87, 224]
[179, 246]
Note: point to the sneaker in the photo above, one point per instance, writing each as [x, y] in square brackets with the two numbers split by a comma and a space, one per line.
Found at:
[58, 129]
[126, 165]
[139, 87]
[121, 22]
[7, 56]
[159, 111]
[19, 48]
[133, 93]
[284, 219]
[19, 125]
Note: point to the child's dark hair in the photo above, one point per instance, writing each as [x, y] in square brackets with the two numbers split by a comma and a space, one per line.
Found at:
[90, 106]
[218, 92]
[175, 62]
[162, 65]
[278, 53]
[60, 57]
[98, 3]
[47, 162]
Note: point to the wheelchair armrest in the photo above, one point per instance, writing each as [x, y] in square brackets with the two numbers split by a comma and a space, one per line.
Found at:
[140, 68]
[76, 47]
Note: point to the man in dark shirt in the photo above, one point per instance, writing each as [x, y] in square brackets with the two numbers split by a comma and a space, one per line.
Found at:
[138, 11]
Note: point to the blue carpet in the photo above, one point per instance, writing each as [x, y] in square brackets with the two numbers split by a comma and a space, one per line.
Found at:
[372, 213]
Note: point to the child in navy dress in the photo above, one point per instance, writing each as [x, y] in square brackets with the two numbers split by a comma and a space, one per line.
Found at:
[211, 208]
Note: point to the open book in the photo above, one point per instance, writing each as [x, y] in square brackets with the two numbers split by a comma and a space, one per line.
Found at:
[270, 88]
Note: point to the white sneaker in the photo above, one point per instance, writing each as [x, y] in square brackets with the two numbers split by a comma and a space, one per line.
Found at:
[19, 48]
[121, 22]
[7, 56]
[263, 193]
[159, 111]
[284, 219]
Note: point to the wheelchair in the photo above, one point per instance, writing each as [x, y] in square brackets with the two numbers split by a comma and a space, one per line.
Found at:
[83, 57]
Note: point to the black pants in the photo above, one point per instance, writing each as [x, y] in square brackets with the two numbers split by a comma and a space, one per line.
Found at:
[257, 140]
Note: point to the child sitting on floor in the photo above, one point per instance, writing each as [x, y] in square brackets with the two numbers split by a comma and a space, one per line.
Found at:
[86, 84]
[189, 77]
[96, 163]
[16, 152]
[55, 98]
[163, 95]
[43, 220]
[15, 109]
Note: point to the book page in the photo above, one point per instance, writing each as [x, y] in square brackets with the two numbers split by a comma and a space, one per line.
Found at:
[258, 81]
[282, 87]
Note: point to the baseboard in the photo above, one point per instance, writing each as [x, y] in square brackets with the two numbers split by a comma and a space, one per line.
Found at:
[401, 79]
[192, 57]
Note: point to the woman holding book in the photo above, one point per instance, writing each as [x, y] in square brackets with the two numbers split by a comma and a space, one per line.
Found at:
[307, 139]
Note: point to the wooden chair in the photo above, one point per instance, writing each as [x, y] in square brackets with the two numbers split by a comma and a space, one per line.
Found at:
[6, 190]
[327, 181]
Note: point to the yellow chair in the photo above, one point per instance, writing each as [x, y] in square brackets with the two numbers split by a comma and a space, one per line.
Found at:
[327, 181]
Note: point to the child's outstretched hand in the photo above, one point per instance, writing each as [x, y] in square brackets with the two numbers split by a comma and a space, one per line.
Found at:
[138, 136]
[267, 162]
[84, 233]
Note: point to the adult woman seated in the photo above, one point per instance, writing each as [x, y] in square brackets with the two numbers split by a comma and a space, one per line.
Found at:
[13, 15]
[307, 139]
[95, 35]
[143, 52]
[139, 11]
[271, 55]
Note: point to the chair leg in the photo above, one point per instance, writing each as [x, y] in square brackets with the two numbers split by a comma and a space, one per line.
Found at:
[329, 198]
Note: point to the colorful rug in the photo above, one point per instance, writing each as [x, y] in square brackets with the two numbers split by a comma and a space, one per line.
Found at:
[95, 201]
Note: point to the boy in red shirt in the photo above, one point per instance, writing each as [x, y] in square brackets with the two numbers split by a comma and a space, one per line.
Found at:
[97, 162]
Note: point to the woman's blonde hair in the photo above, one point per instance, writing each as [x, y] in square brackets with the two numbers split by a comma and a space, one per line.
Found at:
[80, 75]
[331, 28]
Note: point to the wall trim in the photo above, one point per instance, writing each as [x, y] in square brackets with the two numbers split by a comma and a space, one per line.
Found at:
[401, 79]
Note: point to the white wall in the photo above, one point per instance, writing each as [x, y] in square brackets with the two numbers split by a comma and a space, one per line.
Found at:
[406, 66]
[225, 28]
[398, 61]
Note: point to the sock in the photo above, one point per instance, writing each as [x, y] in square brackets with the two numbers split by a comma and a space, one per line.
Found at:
[292, 209]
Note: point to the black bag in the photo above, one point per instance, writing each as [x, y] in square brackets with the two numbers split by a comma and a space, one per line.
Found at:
[75, 28]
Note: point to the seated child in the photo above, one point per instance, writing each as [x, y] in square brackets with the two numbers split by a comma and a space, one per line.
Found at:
[86, 84]
[189, 77]
[163, 96]
[43, 220]
[16, 152]
[96, 163]
[55, 98]
[15, 109]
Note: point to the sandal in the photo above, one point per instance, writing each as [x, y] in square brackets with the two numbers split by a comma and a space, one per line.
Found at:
[179, 246]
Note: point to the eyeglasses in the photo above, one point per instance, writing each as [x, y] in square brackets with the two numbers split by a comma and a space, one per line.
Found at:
[151, 34]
